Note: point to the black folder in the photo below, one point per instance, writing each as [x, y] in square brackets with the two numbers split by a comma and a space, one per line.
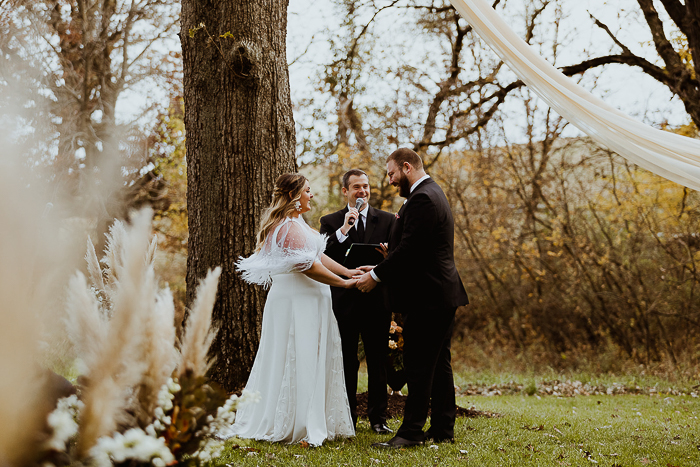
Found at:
[362, 254]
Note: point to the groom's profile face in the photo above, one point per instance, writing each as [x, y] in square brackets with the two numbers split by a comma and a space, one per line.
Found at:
[398, 178]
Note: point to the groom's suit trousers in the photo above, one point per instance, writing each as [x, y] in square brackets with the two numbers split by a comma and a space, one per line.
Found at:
[427, 361]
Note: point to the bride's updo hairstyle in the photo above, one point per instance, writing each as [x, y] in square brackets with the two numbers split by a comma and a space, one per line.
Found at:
[288, 190]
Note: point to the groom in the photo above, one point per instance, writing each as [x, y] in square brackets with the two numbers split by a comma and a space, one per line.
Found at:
[423, 283]
[358, 313]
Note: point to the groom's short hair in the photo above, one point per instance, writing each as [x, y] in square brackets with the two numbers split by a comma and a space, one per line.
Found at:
[402, 155]
[350, 173]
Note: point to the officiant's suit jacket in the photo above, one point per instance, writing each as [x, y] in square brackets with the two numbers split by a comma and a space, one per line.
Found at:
[377, 230]
[420, 270]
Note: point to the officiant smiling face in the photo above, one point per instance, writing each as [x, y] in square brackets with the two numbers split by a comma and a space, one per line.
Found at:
[355, 186]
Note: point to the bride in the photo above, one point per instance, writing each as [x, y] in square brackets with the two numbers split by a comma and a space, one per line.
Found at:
[298, 369]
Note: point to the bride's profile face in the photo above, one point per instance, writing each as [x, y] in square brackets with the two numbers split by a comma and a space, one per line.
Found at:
[306, 198]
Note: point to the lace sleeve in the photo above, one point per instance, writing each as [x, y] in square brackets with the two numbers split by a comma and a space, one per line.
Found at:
[290, 247]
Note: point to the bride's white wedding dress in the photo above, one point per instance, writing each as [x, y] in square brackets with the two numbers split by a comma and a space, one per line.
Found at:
[298, 369]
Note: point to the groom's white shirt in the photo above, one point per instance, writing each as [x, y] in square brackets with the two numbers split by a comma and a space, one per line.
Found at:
[413, 187]
[363, 218]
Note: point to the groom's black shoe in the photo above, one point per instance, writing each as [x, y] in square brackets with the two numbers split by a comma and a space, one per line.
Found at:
[397, 443]
[381, 429]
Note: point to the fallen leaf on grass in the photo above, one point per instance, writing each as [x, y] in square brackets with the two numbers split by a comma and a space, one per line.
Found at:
[533, 427]
[304, 444]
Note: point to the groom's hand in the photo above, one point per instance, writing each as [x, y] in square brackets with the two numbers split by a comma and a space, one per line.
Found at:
[365, 282]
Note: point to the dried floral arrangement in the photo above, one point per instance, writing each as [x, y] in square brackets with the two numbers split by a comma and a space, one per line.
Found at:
[144, 398]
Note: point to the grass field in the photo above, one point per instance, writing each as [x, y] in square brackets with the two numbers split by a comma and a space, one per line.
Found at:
[619, 430]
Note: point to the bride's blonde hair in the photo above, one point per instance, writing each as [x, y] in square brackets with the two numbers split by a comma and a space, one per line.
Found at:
[288, 190]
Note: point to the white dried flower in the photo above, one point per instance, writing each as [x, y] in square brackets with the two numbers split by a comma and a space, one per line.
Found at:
[134, 444]
[62, 422]
[209, 450]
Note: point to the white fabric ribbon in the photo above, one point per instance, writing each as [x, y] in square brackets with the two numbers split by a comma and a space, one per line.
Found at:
[667, 154]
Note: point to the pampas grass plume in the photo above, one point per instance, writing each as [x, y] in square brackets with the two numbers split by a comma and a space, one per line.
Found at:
[199, 333]
[93, 266]
[85, 324]
[119, 366]
[158, 353]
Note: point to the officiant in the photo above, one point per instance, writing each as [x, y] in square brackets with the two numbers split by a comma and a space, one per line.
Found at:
[359, 314]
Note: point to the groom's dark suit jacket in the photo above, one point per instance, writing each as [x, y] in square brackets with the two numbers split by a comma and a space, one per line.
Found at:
[376, 231]
[420, 270]
[424, 285]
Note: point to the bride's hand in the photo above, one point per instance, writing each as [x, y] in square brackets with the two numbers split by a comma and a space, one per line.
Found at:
[350, 283]
[353, 272]
[365, 268]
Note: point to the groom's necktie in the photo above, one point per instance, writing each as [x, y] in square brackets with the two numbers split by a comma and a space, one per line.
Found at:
[360, 228]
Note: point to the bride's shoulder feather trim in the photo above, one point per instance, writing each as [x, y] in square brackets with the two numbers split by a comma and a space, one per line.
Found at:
[259, 267]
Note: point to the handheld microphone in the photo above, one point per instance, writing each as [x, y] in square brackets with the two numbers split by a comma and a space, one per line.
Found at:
[358, 205]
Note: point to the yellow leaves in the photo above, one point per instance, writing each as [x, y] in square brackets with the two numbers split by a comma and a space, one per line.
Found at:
[556, 255]
[500, 234]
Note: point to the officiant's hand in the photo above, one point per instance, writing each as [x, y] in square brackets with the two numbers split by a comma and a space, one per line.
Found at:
[383, 249]
[351, 214]
[365, 283]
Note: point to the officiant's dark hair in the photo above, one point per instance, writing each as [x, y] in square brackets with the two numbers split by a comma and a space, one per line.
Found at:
[350, 173]
[402, 155]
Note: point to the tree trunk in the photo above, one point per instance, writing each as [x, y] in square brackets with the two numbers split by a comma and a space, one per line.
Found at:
[240, 138]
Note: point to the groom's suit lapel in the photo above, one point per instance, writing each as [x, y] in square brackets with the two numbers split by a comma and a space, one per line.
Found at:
[399, 221]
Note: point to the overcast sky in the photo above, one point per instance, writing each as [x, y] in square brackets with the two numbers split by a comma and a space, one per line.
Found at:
[311, 22]
[630, 90]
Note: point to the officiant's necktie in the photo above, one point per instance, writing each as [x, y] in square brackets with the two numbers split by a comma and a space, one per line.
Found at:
[360, 229]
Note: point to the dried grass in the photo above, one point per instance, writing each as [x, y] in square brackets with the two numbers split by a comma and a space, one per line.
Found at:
[21, 260]
[85, 323]
[119, 366]
[199, 332]
[93, 266]
[158, 352]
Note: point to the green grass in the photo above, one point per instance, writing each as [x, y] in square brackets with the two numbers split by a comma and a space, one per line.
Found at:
[547, 431]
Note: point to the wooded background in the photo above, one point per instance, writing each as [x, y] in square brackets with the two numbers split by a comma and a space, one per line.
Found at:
[571, 256]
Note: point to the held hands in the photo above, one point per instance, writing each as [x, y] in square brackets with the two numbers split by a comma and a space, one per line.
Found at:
[351, 214]
[354, 272]
[350, 283]
[365, 283]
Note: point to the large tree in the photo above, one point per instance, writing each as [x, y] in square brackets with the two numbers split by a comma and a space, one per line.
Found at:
[676, 42]
[240, 138]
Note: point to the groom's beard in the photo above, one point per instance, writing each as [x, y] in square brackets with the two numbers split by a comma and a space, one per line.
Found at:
[404, 186]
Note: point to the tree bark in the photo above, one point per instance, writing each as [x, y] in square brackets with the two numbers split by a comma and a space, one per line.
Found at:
[240, 138]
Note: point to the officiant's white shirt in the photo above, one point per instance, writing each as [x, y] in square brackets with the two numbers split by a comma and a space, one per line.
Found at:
[413, 187]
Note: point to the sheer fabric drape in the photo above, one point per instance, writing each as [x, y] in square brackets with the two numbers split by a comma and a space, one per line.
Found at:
[672, 156]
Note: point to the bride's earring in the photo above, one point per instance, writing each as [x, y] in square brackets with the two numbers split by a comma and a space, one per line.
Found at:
[297, 205]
